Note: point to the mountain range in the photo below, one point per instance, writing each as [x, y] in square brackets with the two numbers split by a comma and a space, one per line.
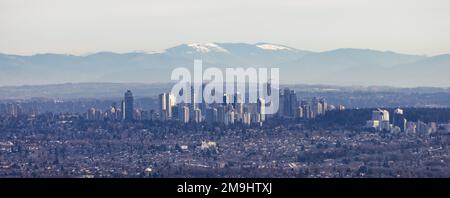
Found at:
[343, 66]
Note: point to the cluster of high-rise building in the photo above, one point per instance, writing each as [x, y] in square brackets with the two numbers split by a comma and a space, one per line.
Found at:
[11, 109]
[125, 112]
[380, 121]
[232, 110]
[291, 107]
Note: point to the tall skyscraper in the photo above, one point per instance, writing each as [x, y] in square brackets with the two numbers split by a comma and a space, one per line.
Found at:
[225, 99]
[236, 100]
[380, 120]
[299, 112]
[229, 118]
[316, 107]
[281, 105]
[184, 114]
[293, 103]
[162, 106]
[211, 115]
[170, 102]
[128, 106]
[246, 118]
[175, 112]
[261, 109]
[195, 100]
[91, 114]
[221, 114]
[381, 115]
[323, 105]
[166, 102]
[399, 120]
[198, 116]
[289, 103]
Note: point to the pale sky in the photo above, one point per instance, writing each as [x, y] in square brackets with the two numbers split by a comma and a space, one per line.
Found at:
[84, 26]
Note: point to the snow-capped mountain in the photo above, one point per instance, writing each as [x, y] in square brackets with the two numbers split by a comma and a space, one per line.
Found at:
[340, 66]
[207, 47]
[268, 46]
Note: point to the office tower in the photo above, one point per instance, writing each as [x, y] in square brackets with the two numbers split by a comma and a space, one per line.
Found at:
[211, 115]
[221, 114]
[432, 127]
[281, 104]
[114, 112]
[197, 116]
[194, 103]
[293, 103]
[399, 120]
[166, 102]
[255, 118]
[128, 106]
[261, 109]
[375, 124]
[162, 106]
[229, 118]
[98, 114]
[225, 99]
[91, 114]
[122, 107]
[316, 107]
[385, 125]
[239, 108]
[237, 100]
[377, 115]
[184, 114]
[175, 112]
[384, 122]
[246, 118]
[287, 102]
[422, 127]
[146, 115]
[411, 127]
[137, 114]
[380, 120]
[13, 109]
[323, 105]
[118, 113]
[280, 112]
[202, 104]
[299, 113]
[170, 102]
[180, 109]
[111, 113]
[306, 109]
[380, 115]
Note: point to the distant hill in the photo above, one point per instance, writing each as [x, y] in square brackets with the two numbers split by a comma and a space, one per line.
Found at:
[339, 67]
[140, 90]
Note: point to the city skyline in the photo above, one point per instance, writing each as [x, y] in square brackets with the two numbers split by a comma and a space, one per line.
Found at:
[318, 140]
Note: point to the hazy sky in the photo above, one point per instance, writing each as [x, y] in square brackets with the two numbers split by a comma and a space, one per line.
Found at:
[82, 26]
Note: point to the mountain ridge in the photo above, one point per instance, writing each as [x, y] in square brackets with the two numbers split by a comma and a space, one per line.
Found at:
[338, 66]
